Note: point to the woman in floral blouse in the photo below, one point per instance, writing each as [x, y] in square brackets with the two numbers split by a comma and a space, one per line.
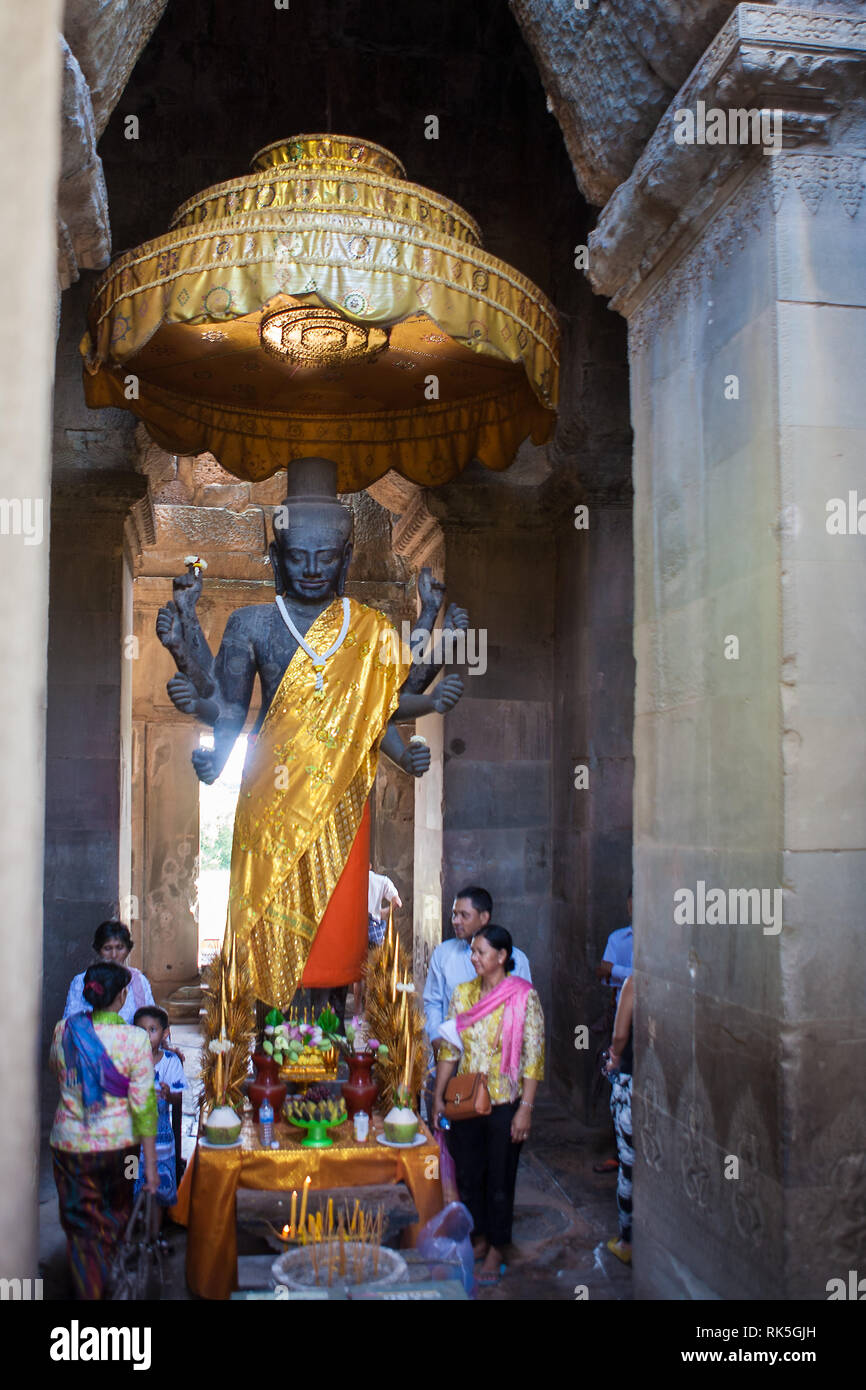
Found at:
[107, 1106]
[495, 1025]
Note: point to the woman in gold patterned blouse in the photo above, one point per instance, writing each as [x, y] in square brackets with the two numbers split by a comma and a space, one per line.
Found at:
[495, 1025]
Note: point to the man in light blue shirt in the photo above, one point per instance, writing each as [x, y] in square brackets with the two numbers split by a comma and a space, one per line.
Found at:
[617, 961]
[450, 963]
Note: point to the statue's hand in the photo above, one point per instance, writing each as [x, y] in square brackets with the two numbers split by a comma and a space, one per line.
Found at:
[204, 762]
[416, 759]
[183, 694]
[430, 590]
[447, 693]
[456, 618]
[187, 591]
[168, 628]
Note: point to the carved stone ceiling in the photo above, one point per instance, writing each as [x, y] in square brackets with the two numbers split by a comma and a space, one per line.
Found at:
[610, 70]
[100, 45]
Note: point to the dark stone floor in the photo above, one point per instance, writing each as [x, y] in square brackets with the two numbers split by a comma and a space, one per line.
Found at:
[564, 1214]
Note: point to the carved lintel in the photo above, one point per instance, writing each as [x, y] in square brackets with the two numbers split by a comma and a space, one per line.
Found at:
[804, 65]
[394, 492]
[140, 528]
[416, 534]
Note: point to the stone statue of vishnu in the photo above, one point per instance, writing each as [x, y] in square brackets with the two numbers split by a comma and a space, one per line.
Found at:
[335, 680]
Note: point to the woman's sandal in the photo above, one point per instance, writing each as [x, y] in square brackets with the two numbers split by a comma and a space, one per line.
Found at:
[488, 1281]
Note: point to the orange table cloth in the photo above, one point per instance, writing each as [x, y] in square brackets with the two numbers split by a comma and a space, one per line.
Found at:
[206, 1196]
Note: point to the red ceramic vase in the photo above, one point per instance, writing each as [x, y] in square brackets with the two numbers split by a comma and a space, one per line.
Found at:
[267, 1085]
[360, 1091]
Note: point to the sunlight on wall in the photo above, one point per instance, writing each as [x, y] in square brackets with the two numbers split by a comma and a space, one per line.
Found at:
[216, 822]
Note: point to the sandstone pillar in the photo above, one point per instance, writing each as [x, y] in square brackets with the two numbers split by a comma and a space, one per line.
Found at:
[741, 275]
[88, 655]
[29, 99]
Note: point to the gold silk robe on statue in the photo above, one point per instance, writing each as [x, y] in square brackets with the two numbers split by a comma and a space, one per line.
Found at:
[305, 784]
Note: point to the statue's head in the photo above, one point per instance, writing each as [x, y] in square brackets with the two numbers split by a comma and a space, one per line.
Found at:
[312, 544]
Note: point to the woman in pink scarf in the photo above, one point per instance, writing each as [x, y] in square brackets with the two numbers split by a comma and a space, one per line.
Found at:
[495, 1025]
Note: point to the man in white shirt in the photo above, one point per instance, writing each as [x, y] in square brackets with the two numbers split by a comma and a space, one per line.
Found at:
[381, 892]
[450, 963]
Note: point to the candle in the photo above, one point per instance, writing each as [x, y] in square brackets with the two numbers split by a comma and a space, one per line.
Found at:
[304, 1195]
[287, 1231]
[294, 1212]
[330, 1214]
[390, 937]
[394, 976]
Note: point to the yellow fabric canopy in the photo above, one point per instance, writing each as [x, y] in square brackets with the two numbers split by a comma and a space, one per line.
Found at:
[467, 366]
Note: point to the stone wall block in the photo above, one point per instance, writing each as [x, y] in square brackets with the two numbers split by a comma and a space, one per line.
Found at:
[211, 528]
[172, 493]
[234, 496]
[488, 730]
[502, 795]
[823, 892]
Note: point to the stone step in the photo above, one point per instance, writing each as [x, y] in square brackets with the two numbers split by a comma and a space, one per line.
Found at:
[188, 993]
[184, 1013]
[185, 1004]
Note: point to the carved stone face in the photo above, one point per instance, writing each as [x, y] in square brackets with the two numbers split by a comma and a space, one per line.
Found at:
[311, 551]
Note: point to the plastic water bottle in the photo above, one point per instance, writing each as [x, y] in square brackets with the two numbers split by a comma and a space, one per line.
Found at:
[266, 1124]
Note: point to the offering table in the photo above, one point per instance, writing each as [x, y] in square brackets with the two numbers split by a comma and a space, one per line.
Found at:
[206, 1196]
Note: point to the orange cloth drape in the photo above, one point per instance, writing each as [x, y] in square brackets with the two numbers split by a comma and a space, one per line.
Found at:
[206, 1196]
[339, 950]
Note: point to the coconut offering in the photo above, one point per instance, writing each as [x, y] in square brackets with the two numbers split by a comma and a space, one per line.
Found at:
[222, 1126]
[401, 1122]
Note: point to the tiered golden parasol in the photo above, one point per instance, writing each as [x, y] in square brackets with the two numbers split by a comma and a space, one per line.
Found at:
[325, 306]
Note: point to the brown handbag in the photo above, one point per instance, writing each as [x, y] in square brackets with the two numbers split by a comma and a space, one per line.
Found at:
[467, 1096]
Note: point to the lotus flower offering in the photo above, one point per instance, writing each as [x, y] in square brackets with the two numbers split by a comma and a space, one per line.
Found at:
[355, 1041]
[302, 1050]
[222, 1126]
[401, 1122]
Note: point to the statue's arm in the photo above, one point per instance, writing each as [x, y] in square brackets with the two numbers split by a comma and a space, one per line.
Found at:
[424, 673]
[431, 593]
[234, 675]
[414, 759]
[443, 698]
[180, 632]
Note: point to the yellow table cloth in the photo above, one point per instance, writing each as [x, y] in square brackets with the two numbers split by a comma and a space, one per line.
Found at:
[206, 1196]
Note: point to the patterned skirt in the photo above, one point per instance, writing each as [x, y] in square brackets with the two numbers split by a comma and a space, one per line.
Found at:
[95, 1191]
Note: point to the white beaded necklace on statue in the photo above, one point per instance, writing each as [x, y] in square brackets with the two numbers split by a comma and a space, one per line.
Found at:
[318, 659]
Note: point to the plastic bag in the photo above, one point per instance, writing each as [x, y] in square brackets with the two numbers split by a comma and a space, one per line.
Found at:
[447, 1238]
[447, 1171]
